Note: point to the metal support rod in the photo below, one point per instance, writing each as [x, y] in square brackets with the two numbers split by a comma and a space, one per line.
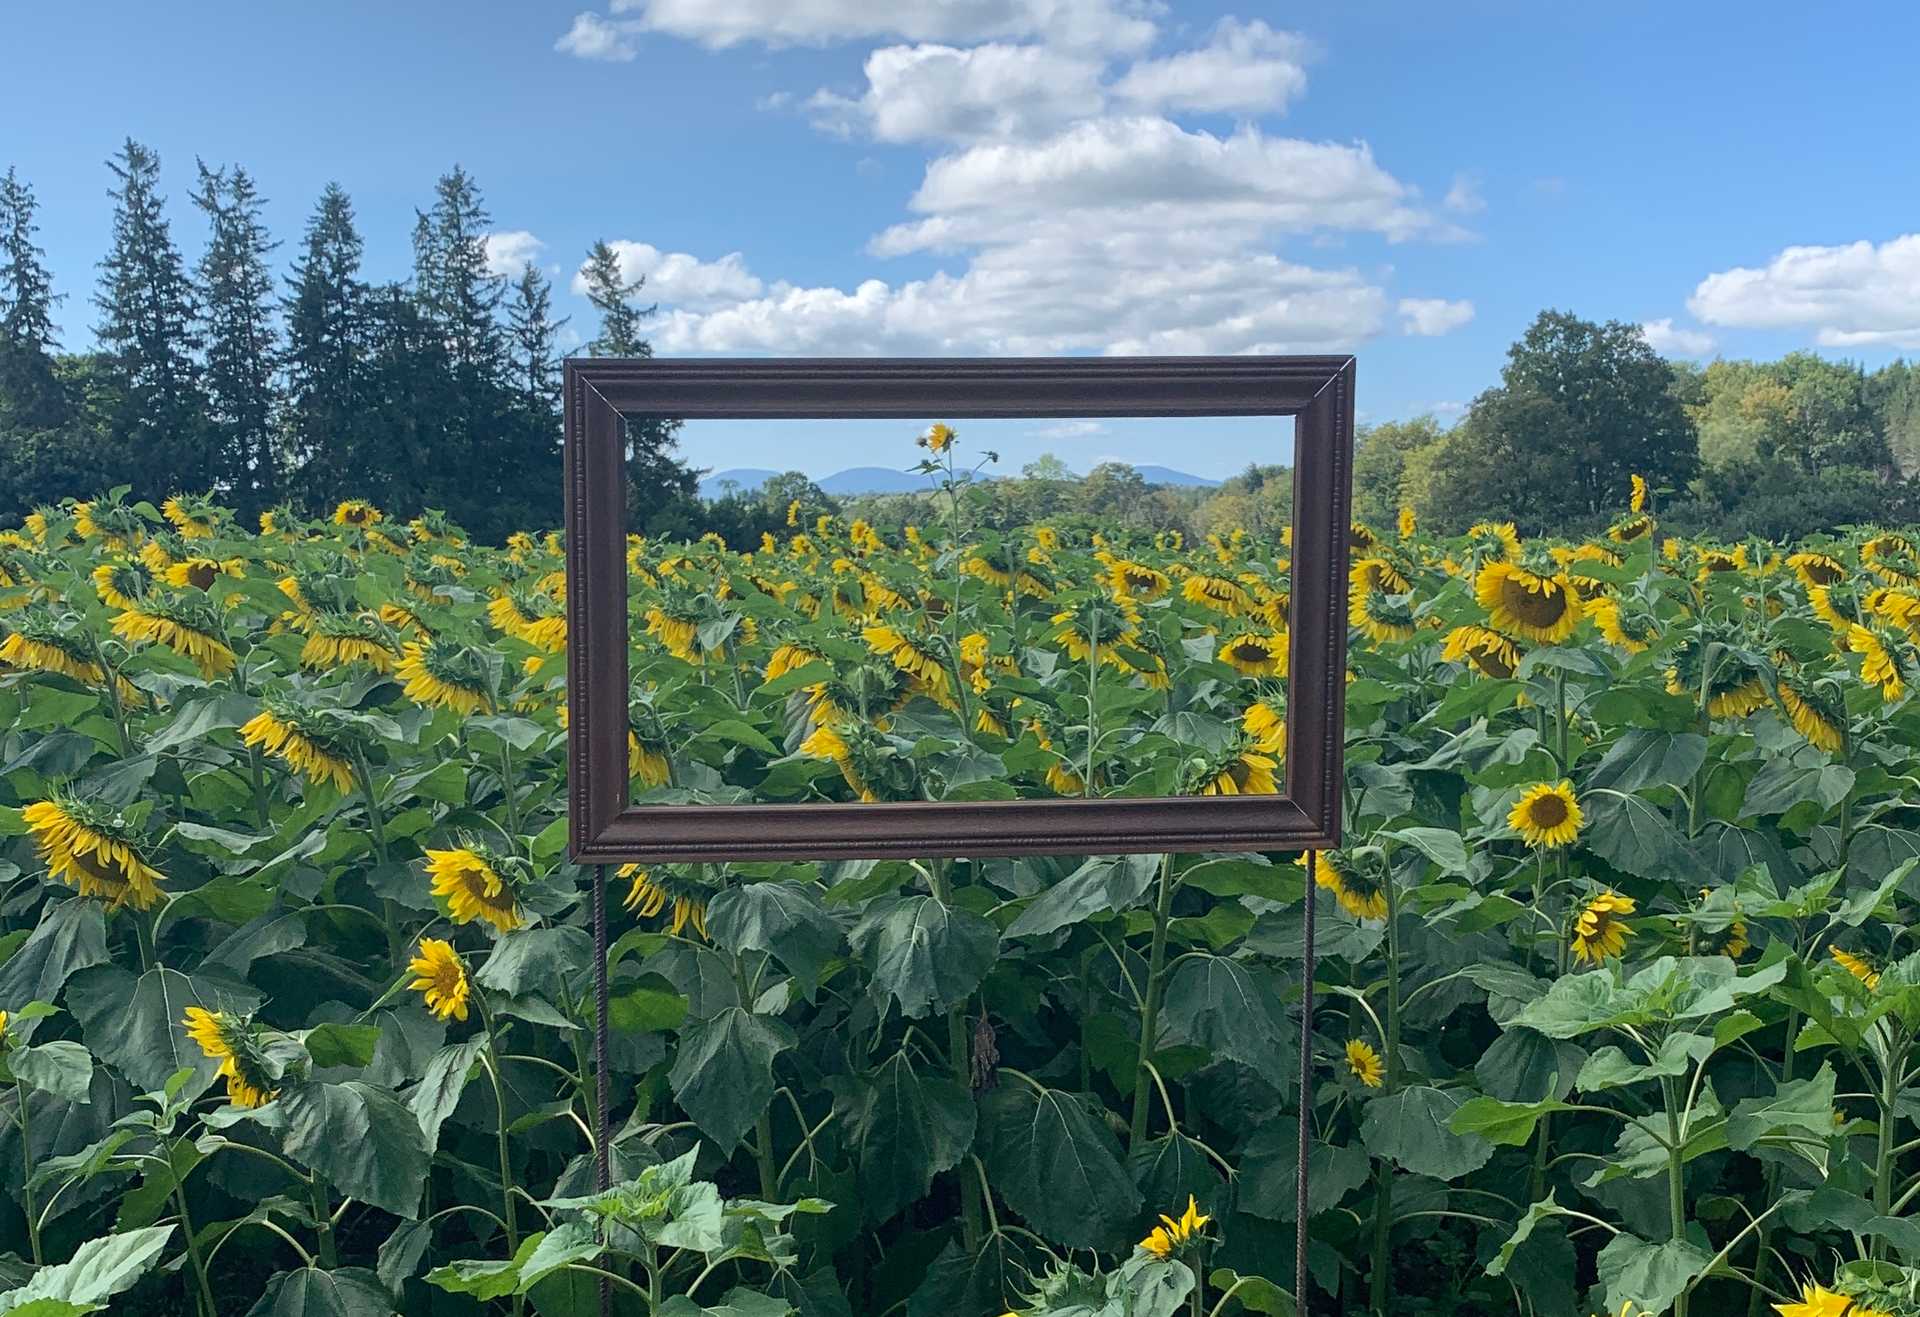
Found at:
[603, 1125]
[1306, 1095]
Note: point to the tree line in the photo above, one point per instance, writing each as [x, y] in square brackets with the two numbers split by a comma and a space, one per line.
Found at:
[441, 390]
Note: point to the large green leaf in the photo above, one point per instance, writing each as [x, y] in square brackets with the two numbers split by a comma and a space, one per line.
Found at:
[926, 956]
[1798, 1115]
[1058, 1166]
[1522, 1065]
[311, 1292]
[438, 1092]
[1102, 884]
[959, 1284]
[1233, 1010]
[1413, 1129]
[133, 1024]
[1269, 1173]
[1634, 836]
[71, 936]
[782, 918]
[98, 1270]
[910, 1128]
[61, 1068]
[723, 1075]
[360, 1137]
[1648, 1276]
[1646, 758]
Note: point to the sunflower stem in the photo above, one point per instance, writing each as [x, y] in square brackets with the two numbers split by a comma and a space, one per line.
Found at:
[204, 1297]
[958, 1058]
[322, 1223]
[26, 1174]
[1093, 683]
[491, 1061]
[1380, 1275]
[1150, 1004]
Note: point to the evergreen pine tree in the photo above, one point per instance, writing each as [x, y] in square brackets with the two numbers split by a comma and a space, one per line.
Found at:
[531, 326]
[149, 334]
[31, 396]
[237, 326]
[325, 308]
[659, 485]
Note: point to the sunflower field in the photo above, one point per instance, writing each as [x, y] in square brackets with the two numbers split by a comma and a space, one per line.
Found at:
[1617, 1005]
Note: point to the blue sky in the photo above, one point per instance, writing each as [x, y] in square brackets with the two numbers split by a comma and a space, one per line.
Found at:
[1411, 182]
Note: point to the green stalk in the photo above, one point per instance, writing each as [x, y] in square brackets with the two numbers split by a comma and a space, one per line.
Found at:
[491, 1061]
[207, 1306]
[1763, 1253]
[1150, 1004]
[322, 1223]
[958, 1055]
[1676, 1180]
[260, 808]
[1093, 680]
[396, 945]
[1381, 1273]
[26, 1178]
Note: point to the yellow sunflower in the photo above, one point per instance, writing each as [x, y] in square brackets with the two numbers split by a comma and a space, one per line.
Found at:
[229, 1039]
[1382, 618]
[1859, 966]
[207, 651]
[1817, 569]
[1359, 890]
[1630, 631]
[1249, 773]
[1879, 667]
[1408, 522]
[1266, 725]
[279, 731]
[1364, 1064]
[201, 573]
[1638, 499]
[441, 674]
[90, 851]
[826, 743]
[122, 585]
[336, 641]
[1171, 1236]
[679, 634]
[1546, 815]
[648, 762]
[50, 654]
[440, 978]
[650, 892]
[937, 438]
[192, 517]
[1814, 714]
[1497, 538]
[1255, 656]
[1137, 581]
[1377, 574]
[1483, 649]
[473, 888]
[1599, 931]
[912, 656]
[1218, 594]
[356, 512]
[1543, 609]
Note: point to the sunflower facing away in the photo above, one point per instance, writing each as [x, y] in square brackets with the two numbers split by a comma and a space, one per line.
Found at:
[1171, 1236]
[1818, 1301]
[937, 438]
[1483, 649]
[914, 657]
[1623, 628]
[229, 1039]
[90, 851]
[1543, 609]
[1878, 665]
[652, 890]
[826, 743]
[1246, 773]
[1859, 966]
[441, 673]
[184, 632]
[1364, 1064]
[1599, 931]
[470, 882]
[1266, 725]
[1546, 815]
[1382, 618]
[337, 640]
[1361, 892]
[1218, 594]
[440, 978]
[288, 734]
[1815, 713]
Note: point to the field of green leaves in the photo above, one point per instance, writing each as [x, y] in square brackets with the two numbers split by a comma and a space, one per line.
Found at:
[1616, 1002]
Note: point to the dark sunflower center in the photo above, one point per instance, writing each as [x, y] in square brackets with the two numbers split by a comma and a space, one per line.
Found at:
[200, 575]
[1250, 652]
[1541, 609]
[1549, 812]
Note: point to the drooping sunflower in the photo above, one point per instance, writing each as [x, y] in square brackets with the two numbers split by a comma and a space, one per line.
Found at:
[680, 634]
[1383, 618]
[439, 672]
[1546, 815]
[1493, 540]
[1879, 664]
[1254, 655]
[914, 656]
[1137, 580]
[532, 616]
[1599, 930]
[41, 645]
[1859, 966]
[339, 640]
[1483, 649]
[1817, 569]
[441, 979]
[1358, 886]
[1735, 687]
[468, 878]
[1731, 941]
[647, 760]
[122, 584]
[232, 1041]
[825, 742]
[1838, 605]
[92, 850]
[1815, 712]
[193, 515]
[1171, 1236]
[1637, 500]
[1218, 594]
[188, 630]
[1632, 528]
[299, 738]
[1624, 627]
[652, 890]
[1543, 609]
[1364, 1064]
[1722, 562]
[1377, 574]
[1266, 726]
[1247, 772]
[1891, 557]
[989, 565]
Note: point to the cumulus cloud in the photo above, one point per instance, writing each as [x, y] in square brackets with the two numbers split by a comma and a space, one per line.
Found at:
[1670, 340]
[1860, 294]
[682, 280]
[593, 37]
[1070, 430]
[1119, 25]
[1245, 67]
[1463, 197]
[946, 93]
[509, 251]
[1432, 316]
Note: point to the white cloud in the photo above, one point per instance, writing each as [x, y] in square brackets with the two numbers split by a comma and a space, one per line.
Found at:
[1070, 430]
[1861, 294]
[680, 280]
[1120, 25]
[1464, 198]
[508, 252]
[1246, 67]
[1670, 341]
[1432, 316]
[593, 37]
[935, 92]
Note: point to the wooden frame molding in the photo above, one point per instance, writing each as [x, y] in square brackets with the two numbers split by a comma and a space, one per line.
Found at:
[600, 392]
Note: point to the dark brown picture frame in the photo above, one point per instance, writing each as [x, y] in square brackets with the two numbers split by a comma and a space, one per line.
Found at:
[1316, 391]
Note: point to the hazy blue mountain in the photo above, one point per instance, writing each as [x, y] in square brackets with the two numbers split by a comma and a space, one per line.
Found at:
[1166, 475]
[874, 480]
[748, 478]
[888, 480]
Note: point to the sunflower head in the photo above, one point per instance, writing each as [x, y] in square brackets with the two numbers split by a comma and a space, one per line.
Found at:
[1524, 603]
[93, 849]
[936, 438]
[1600, 930]
[1254, 655]
[1546, 815]
[1364, 1064]
[1357, 878]
[1173, 1236]
[477, 883]
[240, 1046]
[1861, 967]
[661, 891]
[442, 672]
[441, 979]
[356, 513]
[1481, 648]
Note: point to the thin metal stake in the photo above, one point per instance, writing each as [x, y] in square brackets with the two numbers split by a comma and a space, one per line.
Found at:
[1306, 1097]
[602, 1134]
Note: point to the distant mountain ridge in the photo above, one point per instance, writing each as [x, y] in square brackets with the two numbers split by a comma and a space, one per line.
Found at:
[887, 480]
